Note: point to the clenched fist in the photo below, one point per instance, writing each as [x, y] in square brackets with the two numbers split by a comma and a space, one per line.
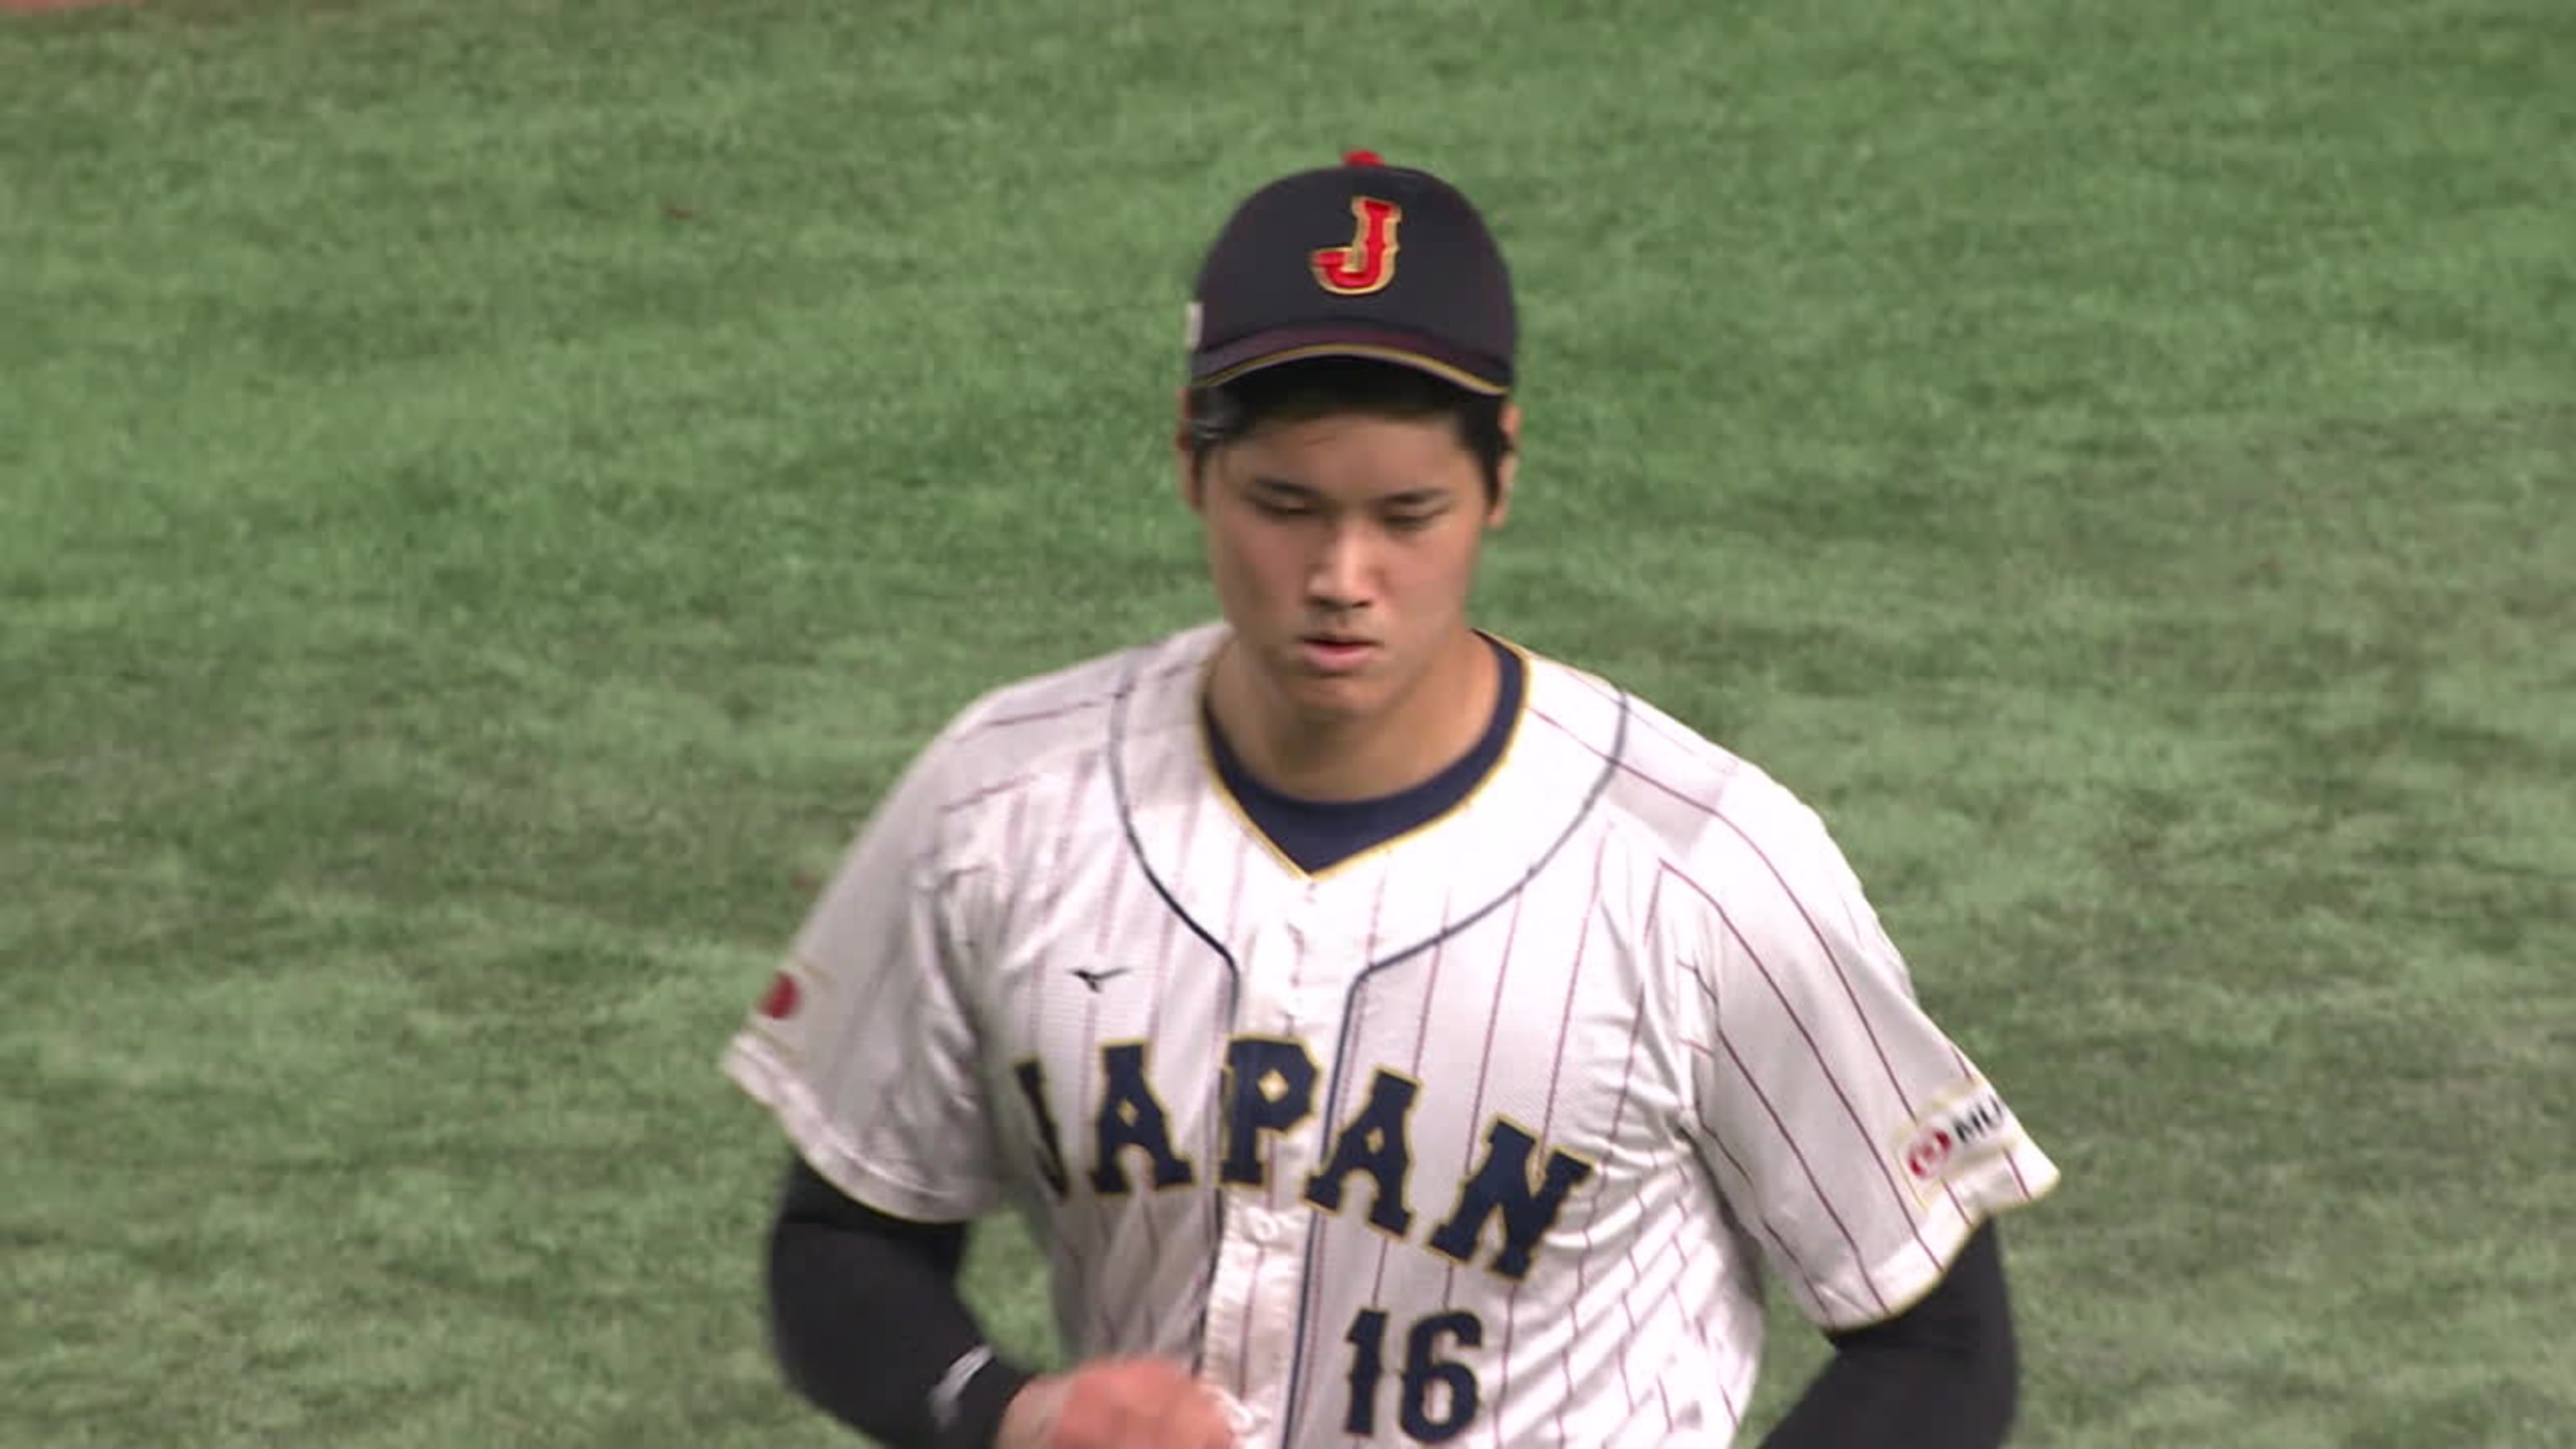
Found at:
[1124, 1403]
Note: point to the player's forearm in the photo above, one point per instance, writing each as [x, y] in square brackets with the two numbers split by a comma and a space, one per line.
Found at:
[1913, 1398]
[1945, 1375]
[866, 1322]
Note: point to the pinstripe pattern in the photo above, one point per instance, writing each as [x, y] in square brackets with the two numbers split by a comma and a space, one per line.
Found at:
[1630, 956]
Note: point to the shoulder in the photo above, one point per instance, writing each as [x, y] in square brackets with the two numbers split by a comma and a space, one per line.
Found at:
[1705, 810]
[1054, 724]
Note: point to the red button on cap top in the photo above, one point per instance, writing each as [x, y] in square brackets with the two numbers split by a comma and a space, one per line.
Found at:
[1362, 158]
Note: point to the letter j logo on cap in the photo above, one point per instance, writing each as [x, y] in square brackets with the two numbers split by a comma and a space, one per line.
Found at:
[1368, 263]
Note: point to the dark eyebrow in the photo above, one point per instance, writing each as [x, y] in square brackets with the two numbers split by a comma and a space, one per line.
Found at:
[1298, 491]
[1408, 498]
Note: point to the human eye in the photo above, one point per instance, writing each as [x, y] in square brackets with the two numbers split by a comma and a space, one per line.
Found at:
[1278, 498]
[1411, 515]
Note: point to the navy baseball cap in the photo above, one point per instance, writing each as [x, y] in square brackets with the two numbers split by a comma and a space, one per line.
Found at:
[1357, 260]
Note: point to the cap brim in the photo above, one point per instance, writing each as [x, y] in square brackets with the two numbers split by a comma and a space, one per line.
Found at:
[1220, 365]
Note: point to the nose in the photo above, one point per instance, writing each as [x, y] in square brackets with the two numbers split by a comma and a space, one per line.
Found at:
[1338, 580]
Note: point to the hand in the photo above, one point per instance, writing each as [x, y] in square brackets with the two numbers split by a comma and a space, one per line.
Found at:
[1126, 1403]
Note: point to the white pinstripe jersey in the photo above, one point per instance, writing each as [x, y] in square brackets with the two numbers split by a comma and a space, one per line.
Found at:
[1489, 1135]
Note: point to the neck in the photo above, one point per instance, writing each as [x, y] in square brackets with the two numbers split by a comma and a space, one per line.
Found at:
[1325, 756]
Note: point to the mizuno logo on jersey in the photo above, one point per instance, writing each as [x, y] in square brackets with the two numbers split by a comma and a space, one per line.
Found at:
[1509, 1199]
[1096, 979]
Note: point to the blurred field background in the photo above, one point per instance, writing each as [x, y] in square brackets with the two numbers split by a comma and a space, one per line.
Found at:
[489, 491]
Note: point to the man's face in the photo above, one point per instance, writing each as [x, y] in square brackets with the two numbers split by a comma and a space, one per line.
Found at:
[1343, 549]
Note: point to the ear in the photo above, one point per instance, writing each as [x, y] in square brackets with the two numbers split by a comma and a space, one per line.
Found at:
[1508, 469]
[1191, 494]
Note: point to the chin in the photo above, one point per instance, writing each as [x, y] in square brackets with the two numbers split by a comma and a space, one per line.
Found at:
[1339, 696]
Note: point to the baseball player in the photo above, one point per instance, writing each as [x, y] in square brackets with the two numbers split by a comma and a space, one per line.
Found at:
[1391, 1035]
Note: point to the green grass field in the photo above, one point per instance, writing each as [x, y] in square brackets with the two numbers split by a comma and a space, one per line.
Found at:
[490, 489]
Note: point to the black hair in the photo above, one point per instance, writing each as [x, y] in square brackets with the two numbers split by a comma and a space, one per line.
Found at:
[1322, 386]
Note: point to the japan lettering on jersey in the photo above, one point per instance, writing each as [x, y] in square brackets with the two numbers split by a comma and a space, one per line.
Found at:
[1485, 1136]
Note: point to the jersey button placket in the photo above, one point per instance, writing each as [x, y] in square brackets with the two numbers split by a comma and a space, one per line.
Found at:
[1283, 1230]
[1230, 1306]
[1264, 1251]
[1269, 968]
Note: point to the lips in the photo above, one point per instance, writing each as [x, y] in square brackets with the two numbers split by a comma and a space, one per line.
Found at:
[1335, 654]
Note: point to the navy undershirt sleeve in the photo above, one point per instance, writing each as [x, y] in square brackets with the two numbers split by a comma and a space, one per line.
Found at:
[865, 1318]
[1942, 1375]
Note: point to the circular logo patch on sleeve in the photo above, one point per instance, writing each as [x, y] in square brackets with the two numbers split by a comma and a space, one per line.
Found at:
[1970, 1129]
[781, 1000]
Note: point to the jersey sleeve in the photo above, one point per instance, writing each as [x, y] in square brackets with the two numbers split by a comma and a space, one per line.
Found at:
[864, 1046]
[1851, 1137]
